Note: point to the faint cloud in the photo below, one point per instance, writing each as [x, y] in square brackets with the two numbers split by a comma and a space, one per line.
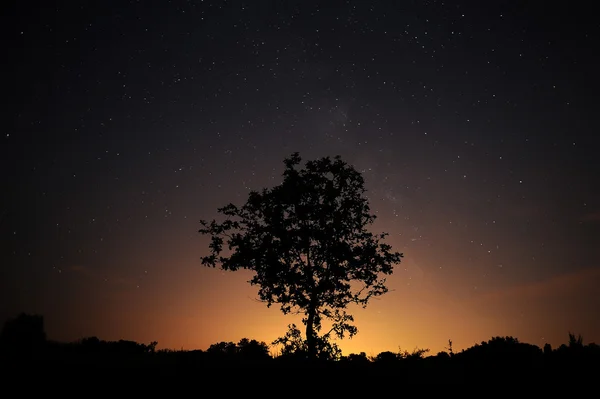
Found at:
[121, 281]
[91, 274]
[548, 308]
[591, 217]
[563, 285]
[82, 270]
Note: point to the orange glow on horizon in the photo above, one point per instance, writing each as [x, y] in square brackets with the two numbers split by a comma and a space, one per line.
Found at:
[416, 313]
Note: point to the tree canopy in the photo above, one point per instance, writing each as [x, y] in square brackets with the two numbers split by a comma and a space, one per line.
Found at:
[308, 242]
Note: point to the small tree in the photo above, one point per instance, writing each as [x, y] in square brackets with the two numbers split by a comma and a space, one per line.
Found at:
[253, 349]
[23, 334]
[450, 349]
[308, 244]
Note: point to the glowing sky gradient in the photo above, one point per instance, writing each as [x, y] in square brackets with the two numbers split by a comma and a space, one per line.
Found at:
[475, 127]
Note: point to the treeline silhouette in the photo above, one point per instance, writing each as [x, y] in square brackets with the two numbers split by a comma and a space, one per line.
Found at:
[23, 342]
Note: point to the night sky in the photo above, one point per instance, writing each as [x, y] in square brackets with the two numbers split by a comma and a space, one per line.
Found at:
[474, 124]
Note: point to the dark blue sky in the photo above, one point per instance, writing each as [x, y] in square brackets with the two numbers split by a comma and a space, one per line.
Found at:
[474, 123]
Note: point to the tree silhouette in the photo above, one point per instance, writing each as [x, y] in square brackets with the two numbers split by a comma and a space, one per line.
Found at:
[23, 334]
[245, 348]
[223, 348]
[253, 349]
[307, 241]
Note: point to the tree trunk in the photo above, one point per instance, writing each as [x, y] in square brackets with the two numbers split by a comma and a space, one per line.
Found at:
[311, 341]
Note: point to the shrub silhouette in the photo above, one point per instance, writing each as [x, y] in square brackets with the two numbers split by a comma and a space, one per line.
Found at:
[246, 350]
[253, 349]
[23, 335]
[359, 359]
[223, 349]
[294, 346]
[386, 358]
[96, 345]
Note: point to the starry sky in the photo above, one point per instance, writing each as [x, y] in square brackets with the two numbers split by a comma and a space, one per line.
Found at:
[474, 125]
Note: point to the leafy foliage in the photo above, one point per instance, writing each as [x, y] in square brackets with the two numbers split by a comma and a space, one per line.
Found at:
[307, 242]
[245, 348]
[94, 344]
[294, 346]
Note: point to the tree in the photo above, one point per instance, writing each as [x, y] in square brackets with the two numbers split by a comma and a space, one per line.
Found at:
[23, 334]
[253, 349]
[307, 240]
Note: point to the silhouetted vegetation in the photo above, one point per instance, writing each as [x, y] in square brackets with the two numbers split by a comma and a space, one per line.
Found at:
[24, 335]
[501, 360]
[307, 241]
